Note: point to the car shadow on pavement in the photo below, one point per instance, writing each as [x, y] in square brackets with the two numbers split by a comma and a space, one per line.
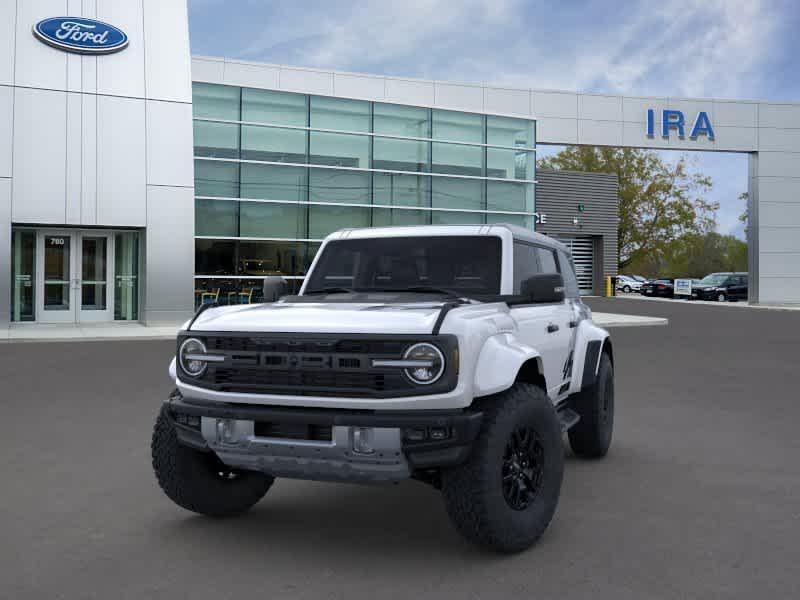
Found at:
[321, 520]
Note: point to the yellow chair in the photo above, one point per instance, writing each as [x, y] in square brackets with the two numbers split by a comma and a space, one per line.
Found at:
[210, 297]
[246, 296]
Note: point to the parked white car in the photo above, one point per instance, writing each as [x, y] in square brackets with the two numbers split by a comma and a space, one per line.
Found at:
[628, 284]
[454, 355]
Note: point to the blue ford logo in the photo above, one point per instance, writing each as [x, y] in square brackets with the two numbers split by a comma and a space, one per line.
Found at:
[84, 36]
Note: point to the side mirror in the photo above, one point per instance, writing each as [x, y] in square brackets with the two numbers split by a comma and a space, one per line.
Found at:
[274, 288]
[543, 287]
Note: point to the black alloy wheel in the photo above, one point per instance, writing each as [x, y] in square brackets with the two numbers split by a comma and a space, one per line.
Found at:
[523, 467]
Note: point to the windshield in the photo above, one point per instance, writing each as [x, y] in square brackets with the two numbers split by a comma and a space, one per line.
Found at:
[468, 265]
[713, 279]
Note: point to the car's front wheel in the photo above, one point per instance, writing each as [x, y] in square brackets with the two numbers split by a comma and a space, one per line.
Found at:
[199, 481]
[721, 297]
[627, 289]
[505, 495]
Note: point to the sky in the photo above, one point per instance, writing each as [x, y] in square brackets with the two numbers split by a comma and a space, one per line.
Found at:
[709, 48]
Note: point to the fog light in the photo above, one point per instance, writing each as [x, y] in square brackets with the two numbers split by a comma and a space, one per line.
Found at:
[439, 433]
[416, 435]
[362, 440]
[226, 430]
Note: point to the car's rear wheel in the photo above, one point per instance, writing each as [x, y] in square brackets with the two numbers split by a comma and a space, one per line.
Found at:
[505, 495]
[198, 481]
[591, 436]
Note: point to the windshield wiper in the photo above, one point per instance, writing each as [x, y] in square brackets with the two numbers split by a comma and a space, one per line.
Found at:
[329, 290]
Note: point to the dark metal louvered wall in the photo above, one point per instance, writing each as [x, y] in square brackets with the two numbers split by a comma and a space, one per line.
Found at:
[594, 238]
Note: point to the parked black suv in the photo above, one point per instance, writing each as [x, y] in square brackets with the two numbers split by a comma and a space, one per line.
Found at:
[721, 287]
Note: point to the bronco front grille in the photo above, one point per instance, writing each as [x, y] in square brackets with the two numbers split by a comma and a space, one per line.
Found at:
[318, 365]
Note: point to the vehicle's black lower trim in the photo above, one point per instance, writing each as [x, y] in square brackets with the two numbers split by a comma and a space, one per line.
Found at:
[463, 426]
[590, 363]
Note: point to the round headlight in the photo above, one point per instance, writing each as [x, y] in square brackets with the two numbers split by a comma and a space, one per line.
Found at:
[192, 366]
[431, 363]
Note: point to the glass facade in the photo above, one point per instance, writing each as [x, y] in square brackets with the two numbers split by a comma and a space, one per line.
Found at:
[275, 172]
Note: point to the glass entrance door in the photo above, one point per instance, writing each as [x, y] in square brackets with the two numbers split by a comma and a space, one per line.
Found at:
[95, 303]
[73, 281]
[56, 279]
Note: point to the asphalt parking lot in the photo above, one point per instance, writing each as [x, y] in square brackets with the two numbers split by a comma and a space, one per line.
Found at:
[699, 497]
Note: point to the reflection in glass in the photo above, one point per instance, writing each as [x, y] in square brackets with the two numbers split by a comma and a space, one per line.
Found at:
[457, 160]
[216, 217]
[212, 178]
[400, 155]
[400, 190]
[273, 144]
[339, 150]
[338, 113]
[511, 196]
[264, 219]
[457, 126]
[273, 182]
[406, 121]
[217, 140]
[266, 106]
[509, 164]
[382, 217]
[335, 185]
[126, 276]
[56, 272]
[457, 193]
[23, 265]
[215, 101]
[93, 273]
[506, 131]
[323, 220]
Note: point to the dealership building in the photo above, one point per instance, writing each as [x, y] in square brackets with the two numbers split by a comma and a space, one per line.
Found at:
[137, 182]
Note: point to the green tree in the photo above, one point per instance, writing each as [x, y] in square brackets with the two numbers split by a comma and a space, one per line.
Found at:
[659, 202]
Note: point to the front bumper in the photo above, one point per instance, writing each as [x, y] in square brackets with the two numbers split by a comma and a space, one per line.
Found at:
[236, 433]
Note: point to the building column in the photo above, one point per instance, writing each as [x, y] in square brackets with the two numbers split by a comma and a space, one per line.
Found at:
[774, 227]
[5, 251]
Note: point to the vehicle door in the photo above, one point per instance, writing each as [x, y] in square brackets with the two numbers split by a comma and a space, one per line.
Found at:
[544, 326]
[740, 287]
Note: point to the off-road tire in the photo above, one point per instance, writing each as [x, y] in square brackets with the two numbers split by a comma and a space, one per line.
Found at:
[473, 492]
[591, 436]
[198, 481]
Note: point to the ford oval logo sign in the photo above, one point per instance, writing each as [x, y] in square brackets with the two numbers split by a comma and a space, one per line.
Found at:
[84, 36]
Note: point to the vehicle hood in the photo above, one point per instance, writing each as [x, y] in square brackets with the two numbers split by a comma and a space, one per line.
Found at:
[322, 317]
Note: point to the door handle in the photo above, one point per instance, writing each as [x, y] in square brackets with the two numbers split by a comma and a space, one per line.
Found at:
[552, 328]
[573, 324]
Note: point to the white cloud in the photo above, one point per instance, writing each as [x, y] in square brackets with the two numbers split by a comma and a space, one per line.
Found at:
[674, 47]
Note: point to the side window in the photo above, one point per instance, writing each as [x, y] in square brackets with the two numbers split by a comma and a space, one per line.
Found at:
[525, 264]
[568, 271]
[547, 260]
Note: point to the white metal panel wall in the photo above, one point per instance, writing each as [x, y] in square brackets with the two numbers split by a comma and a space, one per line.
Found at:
[167, 60]
[6, 129]
[40, 156]
[8, 20]
[38, 65]
[121, 73]
[121, 162]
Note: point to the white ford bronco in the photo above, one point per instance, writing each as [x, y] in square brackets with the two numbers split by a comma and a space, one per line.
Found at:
[455, 355]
